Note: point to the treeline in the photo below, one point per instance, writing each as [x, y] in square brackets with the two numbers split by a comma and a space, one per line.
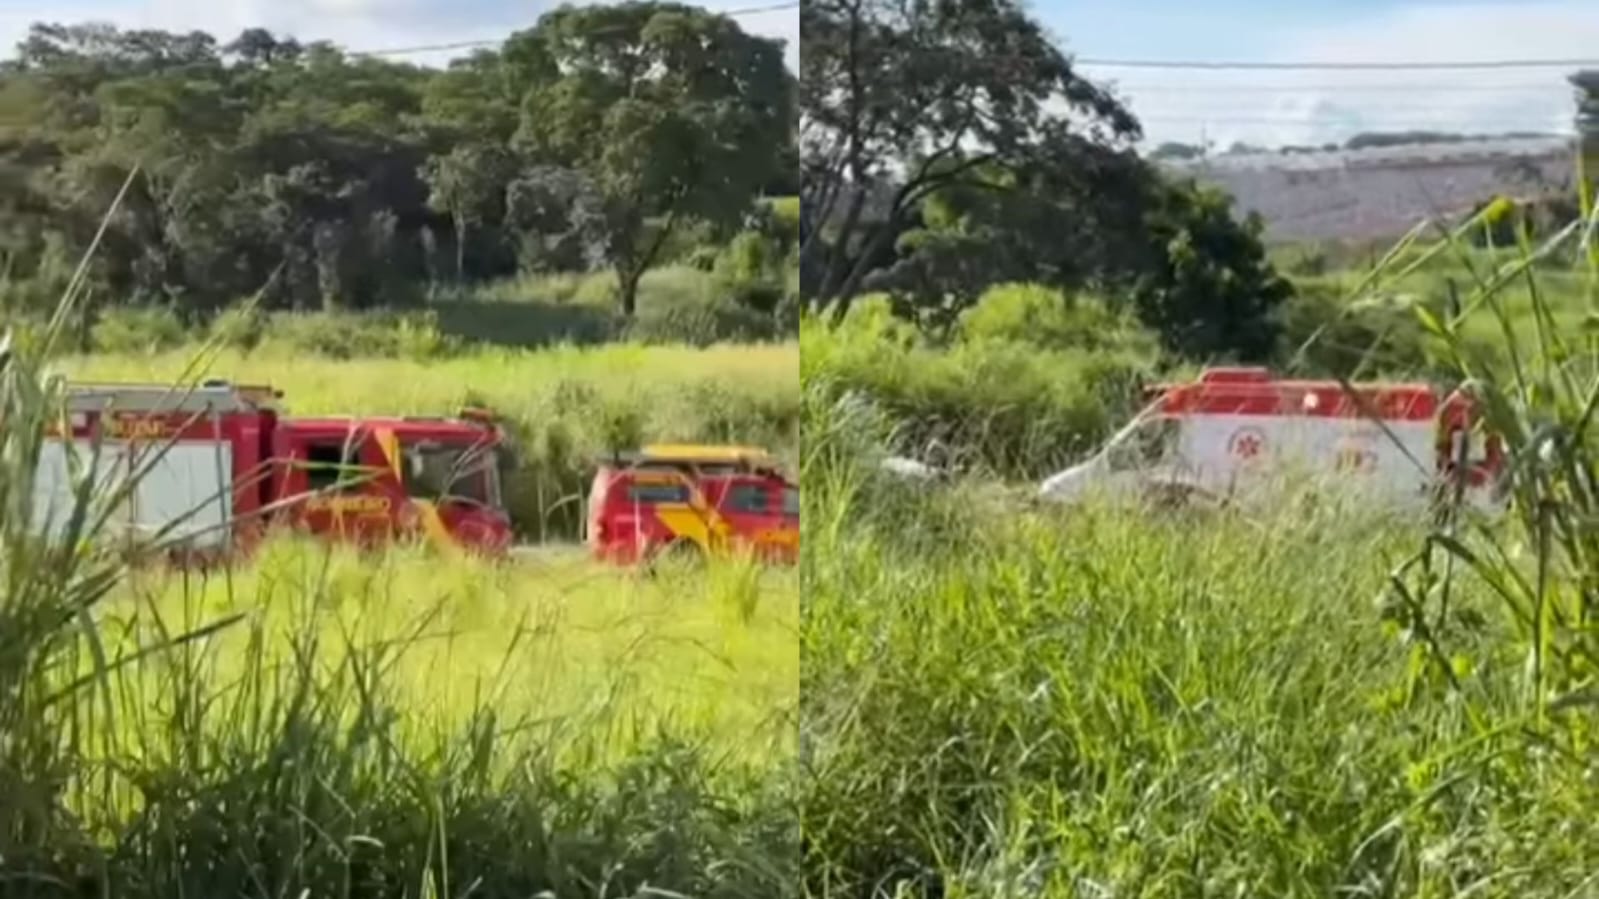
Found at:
[1365, 140]
[603, 138]
[948, 148]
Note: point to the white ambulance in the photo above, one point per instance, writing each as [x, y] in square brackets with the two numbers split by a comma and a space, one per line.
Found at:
[1235, 428]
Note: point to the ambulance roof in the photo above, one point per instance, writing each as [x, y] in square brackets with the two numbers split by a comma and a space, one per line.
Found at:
[1255, 392]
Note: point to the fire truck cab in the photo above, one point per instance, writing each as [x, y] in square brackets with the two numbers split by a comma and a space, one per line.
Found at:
[217, 466]
[694, 500]
[1234, 428]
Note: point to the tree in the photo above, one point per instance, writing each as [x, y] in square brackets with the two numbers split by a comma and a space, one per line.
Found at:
[558, 219]
[1210, 291]
[328, 179]
[1173, 150]
[468, 183]
[899, 100]
[670, 112]
[1060, 224]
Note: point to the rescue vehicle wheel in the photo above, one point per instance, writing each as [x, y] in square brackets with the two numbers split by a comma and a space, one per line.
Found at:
[1170, 497]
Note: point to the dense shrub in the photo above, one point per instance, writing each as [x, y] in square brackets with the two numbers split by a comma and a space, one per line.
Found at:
[1041, 317]
[137, 329]
[994, 402]
[1324, 334]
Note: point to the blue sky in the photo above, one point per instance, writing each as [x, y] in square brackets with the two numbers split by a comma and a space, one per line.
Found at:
[1275, 107]
[1258, 107]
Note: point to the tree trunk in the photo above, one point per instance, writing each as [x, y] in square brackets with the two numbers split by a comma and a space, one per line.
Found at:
[838, 258]
[627, 283]
[846, 292]
[460, 248]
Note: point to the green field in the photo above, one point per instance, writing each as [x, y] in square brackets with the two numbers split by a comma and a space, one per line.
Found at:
[1001, 700]
[598, 653]
[1004, 705]
[320, 720]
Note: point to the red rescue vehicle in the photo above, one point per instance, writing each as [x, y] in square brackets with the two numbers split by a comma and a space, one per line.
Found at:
[693, 500]
[1234, 427]
[217, 466]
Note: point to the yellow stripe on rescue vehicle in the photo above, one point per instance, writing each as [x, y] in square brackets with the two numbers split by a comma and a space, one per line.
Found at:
[686, 523]
[390, 445]
[433, 526]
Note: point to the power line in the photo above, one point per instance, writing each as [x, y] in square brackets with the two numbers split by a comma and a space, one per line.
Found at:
[1338, 88]
[1340, 66]
[1361, 122]
[495, 42]
[1401, 110]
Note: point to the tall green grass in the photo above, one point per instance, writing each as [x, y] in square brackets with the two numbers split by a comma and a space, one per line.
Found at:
[315, 723]
[1006, 701]
[728, 300]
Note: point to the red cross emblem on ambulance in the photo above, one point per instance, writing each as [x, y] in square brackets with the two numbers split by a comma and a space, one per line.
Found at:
[1246, 444]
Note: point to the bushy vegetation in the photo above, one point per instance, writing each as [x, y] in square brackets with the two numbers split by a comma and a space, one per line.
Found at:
[1152, 706]
[1018, 389]
[677, 305]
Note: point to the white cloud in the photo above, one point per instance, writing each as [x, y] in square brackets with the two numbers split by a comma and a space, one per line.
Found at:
[1315, 107]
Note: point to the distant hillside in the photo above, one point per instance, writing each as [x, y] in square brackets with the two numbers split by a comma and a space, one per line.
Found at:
[1382, 190]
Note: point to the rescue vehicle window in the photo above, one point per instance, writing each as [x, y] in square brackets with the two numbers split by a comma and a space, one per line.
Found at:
[458, 472]
[328, 463]
[1148, 444]
[754, 499]
[791, 501]
[649, 494]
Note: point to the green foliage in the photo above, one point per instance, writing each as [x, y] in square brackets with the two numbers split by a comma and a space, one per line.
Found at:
[1032, 315]
[893, 90]
[1062, 211]
[368, 335]
[1049, 222]
[1122, 699]
[338, 183]
[147, 329]
[669, 112]
[1014, 408]
[1212, 293]
[1325, 335]
[299, 723]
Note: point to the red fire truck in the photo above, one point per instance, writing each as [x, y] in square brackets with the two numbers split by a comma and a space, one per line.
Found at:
[1235, 427]
[693, 501]
[214, 468]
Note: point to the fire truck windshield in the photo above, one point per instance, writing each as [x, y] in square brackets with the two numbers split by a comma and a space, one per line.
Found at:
[441, 471]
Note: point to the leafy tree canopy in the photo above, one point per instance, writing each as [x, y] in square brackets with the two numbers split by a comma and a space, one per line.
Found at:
[329, 179]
